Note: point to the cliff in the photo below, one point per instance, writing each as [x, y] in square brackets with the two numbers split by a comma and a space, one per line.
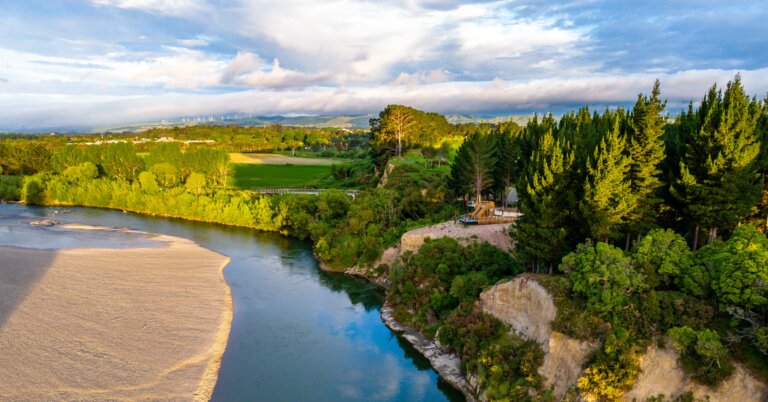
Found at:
[528, 308]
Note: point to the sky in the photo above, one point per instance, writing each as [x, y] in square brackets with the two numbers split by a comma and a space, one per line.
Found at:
[105, 62]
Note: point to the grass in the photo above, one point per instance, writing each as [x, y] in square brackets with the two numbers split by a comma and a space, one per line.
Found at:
[251, 176]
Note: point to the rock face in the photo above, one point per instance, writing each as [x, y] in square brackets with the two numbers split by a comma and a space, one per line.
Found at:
[662, 374]
[525, 305]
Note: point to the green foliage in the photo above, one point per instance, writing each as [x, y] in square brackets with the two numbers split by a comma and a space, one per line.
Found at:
[604, 275]
[120, 161]
[33, 190]
[608, 199]
[400, 126]
[740, 267]
[717, 170]
[542, 231]
[168, 176]
[474, 165]
[148, 182]
[10, 188]
[645, 148]
[663, 256]
[505, 365]
[195, 184]
[83, 171]
[613, 370]
[443, 275]
[702, 354]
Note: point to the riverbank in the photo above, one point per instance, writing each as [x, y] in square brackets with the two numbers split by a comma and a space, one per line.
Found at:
[104, 324]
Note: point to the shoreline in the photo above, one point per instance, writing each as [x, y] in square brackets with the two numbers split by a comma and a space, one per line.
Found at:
[110, 323]
[446, 364]
[390, 322]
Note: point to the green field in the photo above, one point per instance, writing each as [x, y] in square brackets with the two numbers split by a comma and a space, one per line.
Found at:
[250, 176]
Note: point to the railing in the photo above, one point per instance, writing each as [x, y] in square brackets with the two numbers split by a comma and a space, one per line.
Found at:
[313, 191]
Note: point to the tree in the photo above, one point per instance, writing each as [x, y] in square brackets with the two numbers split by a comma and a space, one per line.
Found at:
[474, 164]
[607, 195]
[717, 180]
[195, 184]
[604, 275]
[83, 171]
[396, 124]
[646, 152]
[702, 354]
[505, 162]
[148, 182]
[120, 161]
[741, 268]
[166, 152]
[547, 205]
[167, 175]
[663, 256]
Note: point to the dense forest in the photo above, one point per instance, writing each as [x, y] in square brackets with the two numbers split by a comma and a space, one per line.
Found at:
[642, 225]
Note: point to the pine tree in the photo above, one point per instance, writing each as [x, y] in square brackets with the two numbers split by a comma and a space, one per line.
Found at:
[607, 198]
[718, 171]
[646, 152]
[473, 168]
[506, 160]
[542, 232]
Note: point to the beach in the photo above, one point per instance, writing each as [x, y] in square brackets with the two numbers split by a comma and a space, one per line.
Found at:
[146, 323]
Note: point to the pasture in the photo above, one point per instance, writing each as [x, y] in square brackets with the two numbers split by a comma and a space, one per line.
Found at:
[258, 175]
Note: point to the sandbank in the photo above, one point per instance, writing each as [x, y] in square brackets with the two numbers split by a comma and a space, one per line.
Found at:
[112, 324]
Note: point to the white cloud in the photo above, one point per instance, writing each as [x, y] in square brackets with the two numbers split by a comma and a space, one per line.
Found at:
[193, 42]
[276, 77]
[497, 95]
[169, 7]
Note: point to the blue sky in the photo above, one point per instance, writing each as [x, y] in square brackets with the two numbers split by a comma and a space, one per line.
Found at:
[102, 62]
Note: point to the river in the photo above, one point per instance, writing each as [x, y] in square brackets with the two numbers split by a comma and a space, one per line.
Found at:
[298, 333]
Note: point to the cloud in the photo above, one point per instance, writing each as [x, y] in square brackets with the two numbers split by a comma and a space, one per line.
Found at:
[499, 96]
[422, 77]
[193, 42]
[169, 7]
[276, 77]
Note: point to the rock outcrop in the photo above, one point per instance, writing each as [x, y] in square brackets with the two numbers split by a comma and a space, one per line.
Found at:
[661, 374]
[529, 309]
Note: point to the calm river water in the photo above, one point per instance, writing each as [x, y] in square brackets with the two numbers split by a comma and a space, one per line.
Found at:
[298, 334]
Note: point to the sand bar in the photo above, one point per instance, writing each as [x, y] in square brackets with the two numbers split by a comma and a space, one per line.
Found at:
[112, 324]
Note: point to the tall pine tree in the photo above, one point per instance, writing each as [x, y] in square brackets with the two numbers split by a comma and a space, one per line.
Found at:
[645, 148]
[473, 168]
[608, 200]
[547, 205]
[719, 170]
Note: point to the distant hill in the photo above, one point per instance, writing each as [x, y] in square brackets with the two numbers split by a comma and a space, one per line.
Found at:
[468, 118]
[336, 121]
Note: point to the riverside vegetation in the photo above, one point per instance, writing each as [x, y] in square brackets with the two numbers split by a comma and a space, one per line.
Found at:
[656, 224]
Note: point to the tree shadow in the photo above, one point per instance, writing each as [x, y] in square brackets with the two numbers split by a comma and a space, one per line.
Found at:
[20, 270]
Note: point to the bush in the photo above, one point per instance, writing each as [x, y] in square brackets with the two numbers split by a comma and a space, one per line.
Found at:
[604, 275]
[702, 355]
[613, 370]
